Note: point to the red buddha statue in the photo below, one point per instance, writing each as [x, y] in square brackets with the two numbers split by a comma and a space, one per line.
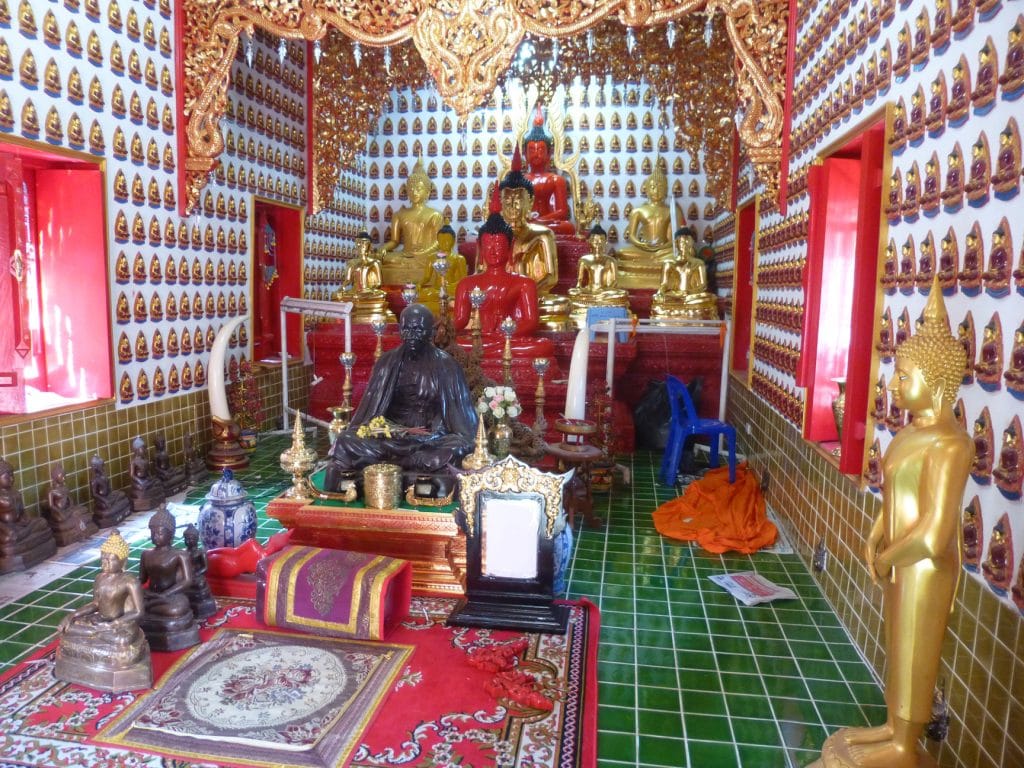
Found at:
[953, 194]
[1011, 82]
[1006, 179]
[935, 120]
[989, 368]
[970, 275]
[1007, 474]
[971, 525]
[926, 264]
[507, 294]
[983, 96]
[1015, 373]
[930, 200]
[949, 263]
[550, 191]
[965, 335]
[908, 263]
[959, 94]
[981, 173]
[998, 566]
[981, 467]
[997, 276]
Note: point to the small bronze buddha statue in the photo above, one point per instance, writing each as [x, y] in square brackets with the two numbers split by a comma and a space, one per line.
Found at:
[648, 235]
[683, 292]
[147, 491]
[166, 574]
[361, 284]
[412, 241]
[172, 477]
[25, 540]
[196, 471]
[109, 506]
[199, 595]
[100, 644]
[69, 522]
[596, 279]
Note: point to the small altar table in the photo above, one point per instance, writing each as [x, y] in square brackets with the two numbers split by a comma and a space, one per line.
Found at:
[425, 536]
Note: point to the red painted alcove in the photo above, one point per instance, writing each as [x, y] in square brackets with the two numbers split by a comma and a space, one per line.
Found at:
[743, 286]
[285, 266]
[840, 285]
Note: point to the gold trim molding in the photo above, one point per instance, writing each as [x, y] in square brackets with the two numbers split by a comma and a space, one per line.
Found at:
[467, 45]
[513, 476]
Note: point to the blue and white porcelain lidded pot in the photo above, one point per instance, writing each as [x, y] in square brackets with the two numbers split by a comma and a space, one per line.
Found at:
[227, 517]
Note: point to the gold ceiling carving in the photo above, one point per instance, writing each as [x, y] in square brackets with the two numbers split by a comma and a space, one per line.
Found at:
[467, 46]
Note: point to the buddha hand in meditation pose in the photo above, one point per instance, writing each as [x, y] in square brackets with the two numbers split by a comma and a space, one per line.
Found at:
[421, 391]
[913, 549]
[166, 574]
[648, 234]
[24, 540]
[550, 192]
[69, 522]
[361, 284]
[508, 293]
[109, 506]
[172, 477]
[534, 251]
[147, 491]
[684, 290]
[414, 228]
[596, 279]
[100, 644]
[199, 595]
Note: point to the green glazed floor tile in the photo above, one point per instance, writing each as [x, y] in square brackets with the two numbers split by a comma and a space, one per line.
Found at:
[710, 753]
[660, 751]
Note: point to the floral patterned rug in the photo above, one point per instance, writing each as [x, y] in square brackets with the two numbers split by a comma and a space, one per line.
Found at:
[420, 699]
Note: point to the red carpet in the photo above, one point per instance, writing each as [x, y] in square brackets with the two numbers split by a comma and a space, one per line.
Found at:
[439, 710]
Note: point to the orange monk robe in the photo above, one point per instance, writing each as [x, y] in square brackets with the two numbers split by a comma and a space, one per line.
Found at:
[718, 515]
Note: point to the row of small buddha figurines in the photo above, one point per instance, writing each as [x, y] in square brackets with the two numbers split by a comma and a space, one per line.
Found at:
[27, 539]
[420, 252]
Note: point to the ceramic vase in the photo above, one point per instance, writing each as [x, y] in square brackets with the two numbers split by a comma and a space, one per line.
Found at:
[501, 438]
[227, 518]
[839, 406]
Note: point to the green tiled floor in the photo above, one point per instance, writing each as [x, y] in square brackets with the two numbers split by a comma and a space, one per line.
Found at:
[688, 677]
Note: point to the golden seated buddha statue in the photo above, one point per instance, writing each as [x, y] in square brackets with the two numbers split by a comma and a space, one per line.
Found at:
[534, 251]
[648, 234]
[596, 279]
[412, 243]
[361, 284]
[683, 292]
[449, 263]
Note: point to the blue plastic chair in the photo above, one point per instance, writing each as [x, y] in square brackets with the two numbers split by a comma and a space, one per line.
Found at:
[685, 424]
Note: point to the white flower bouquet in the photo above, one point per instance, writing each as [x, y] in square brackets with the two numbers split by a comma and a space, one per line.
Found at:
[499, 402]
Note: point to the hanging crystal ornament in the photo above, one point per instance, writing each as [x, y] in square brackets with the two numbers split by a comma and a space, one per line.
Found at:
[248, 49]
[670, 34]
[282, 50]
[709, 29]
[387, 59]
[555, 50]
[317, 51]
[630, 40]
[590, 41]
[357, 53]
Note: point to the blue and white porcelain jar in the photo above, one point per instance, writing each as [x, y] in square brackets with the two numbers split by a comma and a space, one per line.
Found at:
[227, 517]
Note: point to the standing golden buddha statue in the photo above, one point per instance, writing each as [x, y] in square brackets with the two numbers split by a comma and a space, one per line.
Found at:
[648, 235]
[361, 284]
[534, 252]
[684, 291]
[913, 549]
[596, 279]
[409, 252]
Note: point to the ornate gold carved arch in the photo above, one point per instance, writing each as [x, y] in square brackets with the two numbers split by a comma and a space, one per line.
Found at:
[466, 46]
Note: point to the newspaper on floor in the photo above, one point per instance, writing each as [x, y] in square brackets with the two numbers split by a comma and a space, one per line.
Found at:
[751, 588]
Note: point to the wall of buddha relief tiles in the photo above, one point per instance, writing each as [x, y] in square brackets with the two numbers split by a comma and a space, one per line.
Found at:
[954, 73]
[330, 235]
[615, 128]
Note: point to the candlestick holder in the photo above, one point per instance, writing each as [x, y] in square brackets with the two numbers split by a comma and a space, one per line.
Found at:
[476, 300]
[441, 268]
[540, 424]
[378, 324]
[410, 294]
[348, 359]
[298, 461]
[508, 327]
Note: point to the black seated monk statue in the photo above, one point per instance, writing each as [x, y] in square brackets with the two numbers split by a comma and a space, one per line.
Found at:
[422, 393]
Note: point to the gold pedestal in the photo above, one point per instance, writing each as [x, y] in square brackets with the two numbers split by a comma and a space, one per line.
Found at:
[581, 302]
[706, 309]
[225, 452]
[554, 312]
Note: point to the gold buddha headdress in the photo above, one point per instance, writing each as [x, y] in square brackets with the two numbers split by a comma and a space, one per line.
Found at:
[419, 173]
[657, 176]
[115, 545]
[934, 349]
